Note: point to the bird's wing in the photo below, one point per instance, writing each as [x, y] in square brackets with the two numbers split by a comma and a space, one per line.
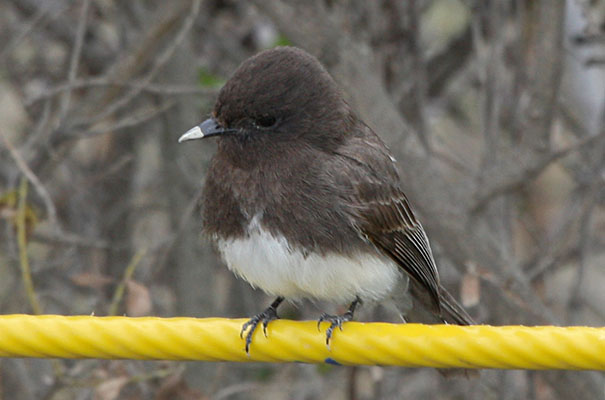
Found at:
[383, 211]
[390, 224]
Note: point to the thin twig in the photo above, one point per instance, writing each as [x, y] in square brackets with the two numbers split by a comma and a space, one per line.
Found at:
[22, 241]
[29, 27]
[586, 223]
[550, 250]
[419, 71]
[72, 239]
[39, 133]
[127, 122]
[521, 176]
[161, 60]
[183, 221]
[162, 89]
[546, 259]
[584, 247]
[491, 73]
[128, 272]
[40, 189]
[74, 60]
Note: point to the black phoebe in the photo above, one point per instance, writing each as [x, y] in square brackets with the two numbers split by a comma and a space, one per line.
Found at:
[303, 199]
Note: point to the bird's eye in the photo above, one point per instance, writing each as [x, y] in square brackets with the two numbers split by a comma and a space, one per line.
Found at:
[265, 121]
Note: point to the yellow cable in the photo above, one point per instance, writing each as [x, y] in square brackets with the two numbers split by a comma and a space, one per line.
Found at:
[217, 339]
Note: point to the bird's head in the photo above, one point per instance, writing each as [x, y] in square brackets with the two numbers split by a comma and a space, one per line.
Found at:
[281, 93]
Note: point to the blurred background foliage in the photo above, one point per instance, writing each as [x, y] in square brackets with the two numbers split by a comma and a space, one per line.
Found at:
[494, 109]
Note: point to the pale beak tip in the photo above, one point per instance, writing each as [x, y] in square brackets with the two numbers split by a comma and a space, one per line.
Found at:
[193, 133]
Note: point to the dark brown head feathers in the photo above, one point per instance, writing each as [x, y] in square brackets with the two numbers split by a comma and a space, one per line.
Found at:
[284, 91]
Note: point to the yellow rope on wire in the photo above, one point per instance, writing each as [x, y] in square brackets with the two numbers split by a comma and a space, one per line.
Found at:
[218, 339]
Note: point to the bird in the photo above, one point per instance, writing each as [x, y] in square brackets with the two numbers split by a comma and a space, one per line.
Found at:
[303, 200]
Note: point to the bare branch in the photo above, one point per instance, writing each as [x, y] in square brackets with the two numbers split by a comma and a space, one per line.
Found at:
[75, 59]
[40, 189]
[544, 52]
[161, 89]
[159, 62]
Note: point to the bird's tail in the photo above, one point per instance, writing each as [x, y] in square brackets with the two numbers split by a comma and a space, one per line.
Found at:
[426, 311]
[451, 311]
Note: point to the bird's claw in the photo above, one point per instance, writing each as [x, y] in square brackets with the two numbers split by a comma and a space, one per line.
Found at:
[264, 317]
[335, 321]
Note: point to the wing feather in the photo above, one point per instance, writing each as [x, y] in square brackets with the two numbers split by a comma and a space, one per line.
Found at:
[386, 216]
[403, 238]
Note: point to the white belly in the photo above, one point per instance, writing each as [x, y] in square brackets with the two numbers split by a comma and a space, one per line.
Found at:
[269, 263]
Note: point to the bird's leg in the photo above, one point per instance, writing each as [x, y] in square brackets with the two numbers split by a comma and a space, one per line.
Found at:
[265, 317]
[337, 320]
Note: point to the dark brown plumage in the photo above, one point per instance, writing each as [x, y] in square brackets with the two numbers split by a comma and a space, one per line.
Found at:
[298, 177]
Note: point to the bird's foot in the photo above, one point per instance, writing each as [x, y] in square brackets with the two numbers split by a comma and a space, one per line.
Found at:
[336, 321]
[264, 317]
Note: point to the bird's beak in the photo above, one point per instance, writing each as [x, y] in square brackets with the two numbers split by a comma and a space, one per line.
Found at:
[206, 129]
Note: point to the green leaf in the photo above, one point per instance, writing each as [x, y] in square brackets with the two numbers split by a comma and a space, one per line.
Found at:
[282, 41]
[208, 79]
